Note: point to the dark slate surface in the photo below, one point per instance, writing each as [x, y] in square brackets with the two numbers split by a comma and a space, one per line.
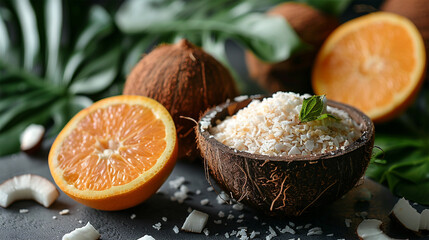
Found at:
[39, 224]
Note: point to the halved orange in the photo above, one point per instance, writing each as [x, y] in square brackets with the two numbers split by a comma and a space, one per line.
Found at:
[375, 62]
[116, 153]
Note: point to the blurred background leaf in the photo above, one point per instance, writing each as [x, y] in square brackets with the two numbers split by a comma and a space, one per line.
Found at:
[47, 68]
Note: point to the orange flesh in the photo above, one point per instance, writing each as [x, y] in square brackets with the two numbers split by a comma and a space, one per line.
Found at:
[104, 151]
[363, 58]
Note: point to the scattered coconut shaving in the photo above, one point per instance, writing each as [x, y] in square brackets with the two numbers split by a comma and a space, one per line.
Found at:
[347, 222]
[157, 226]
[181, 195]
[24, 210]
[195, 222]
[176, 229]
[271, 127]
[88, 232]
[146, 237]
[315, 231]
[176, 183]
[64, 212]
[164, 219]
[222, 198]
[133, 216]
[204, 201]
[272, 233]
[237, 206]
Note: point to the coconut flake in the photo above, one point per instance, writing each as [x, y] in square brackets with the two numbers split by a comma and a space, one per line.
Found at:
[146, 237]
[369, 229]
[133, 216]
[175, 229]
[24, 210]
[222, 198]
[424, 220]
[31, 136]
[347, 222]
[406, 215]
[64, 212]
[88, 232]
[157, 226]
[204, 201]
[177, 182]
[237, 206]
[28, 186]
[195, 222]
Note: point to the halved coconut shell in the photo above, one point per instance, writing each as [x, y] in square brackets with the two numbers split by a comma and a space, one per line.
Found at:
[287, 186]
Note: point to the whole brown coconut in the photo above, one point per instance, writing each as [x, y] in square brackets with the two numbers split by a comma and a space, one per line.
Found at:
[187, 81]
[294, 74]
[285, 186]
[415, 10]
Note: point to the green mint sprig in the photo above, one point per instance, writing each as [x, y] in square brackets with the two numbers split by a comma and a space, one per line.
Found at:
[313, 108]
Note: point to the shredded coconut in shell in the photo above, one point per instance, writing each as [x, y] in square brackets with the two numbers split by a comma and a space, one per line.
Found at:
[272, 127]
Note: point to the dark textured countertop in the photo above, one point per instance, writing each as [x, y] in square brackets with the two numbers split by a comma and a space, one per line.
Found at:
[38, 223]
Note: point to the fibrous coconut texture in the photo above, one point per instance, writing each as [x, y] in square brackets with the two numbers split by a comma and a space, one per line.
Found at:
[415, 10]
[187, 81]
[294, 74]
[289, 185]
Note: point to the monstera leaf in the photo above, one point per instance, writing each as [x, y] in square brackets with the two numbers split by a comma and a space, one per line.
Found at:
[50, 70]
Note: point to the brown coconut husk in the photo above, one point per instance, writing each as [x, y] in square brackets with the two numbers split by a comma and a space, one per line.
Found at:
[187, 81]
[285, 186]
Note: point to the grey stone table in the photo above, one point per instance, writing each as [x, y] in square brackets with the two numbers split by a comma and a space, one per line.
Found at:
[40, 223]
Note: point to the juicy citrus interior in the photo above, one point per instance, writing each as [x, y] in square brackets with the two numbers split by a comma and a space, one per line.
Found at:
[122, 147]
[375, 63]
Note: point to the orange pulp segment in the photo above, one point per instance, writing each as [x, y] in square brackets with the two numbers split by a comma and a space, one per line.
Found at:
[116, 153]
[375, 63]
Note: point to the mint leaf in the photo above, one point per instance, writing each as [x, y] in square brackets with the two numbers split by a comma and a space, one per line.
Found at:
[313, 108]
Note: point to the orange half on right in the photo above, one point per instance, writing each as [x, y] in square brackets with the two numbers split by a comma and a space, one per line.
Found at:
[375, 63]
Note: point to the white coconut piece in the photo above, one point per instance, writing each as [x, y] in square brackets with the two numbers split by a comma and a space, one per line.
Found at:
[406, 215]
[31, 138]
[369, 229]
[176, 183]
[64, 212]
[205, 201]
[28, 187]
[146, 237]
[88, 232]
[195, 222]
[424, 220]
